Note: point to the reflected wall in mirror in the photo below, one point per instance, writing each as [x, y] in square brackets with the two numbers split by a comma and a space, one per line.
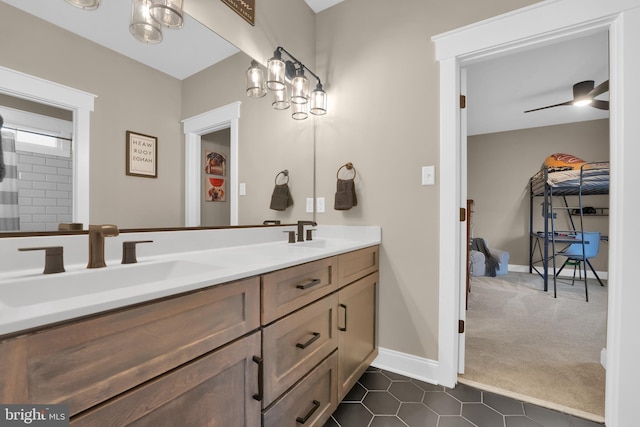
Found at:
[134, 97]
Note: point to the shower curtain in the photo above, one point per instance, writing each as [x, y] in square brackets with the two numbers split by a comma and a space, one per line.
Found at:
[9, 214]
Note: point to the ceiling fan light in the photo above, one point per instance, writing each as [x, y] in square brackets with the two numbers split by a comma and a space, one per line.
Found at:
[255, 81]
[583, 102]
[167, 13]
[85, 4]
[142, 26]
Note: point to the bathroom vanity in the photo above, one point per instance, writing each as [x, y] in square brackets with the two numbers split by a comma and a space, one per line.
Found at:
[279, 348]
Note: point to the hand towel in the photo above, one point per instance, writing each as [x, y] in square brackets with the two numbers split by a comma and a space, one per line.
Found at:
[281, 197]
[345, 195]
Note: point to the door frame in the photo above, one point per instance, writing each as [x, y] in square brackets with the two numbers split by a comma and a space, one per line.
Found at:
[224, 117]
[543, 23]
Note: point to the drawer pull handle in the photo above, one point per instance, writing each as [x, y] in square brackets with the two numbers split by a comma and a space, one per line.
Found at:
[309, 284]
[344, 329]
[316, 336]
[260, 363]
[301, 420]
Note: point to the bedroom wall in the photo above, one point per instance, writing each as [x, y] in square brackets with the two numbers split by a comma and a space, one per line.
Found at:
[499, 168]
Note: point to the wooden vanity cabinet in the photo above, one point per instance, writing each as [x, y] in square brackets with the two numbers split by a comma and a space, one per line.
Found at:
[214, 390]
[337, 326]
[85, 362]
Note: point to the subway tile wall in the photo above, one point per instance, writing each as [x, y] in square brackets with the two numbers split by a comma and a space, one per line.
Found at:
[44, 191]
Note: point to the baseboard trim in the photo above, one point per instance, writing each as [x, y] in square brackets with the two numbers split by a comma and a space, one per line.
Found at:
[604, 275]
[415, 367]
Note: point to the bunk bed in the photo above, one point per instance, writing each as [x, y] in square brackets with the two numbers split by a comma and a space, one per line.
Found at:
[553, 184]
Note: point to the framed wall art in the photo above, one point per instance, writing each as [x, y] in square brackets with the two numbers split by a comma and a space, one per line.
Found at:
[142, 155]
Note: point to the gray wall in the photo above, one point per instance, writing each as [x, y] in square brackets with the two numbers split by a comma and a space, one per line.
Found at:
[499, 168]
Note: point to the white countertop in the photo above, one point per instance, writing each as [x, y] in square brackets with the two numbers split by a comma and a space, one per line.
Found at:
[29, 299]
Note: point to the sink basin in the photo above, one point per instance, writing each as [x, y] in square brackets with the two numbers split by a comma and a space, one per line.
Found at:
[46, 288]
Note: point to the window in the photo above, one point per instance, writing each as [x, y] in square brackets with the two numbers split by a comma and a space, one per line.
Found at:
[37, 133]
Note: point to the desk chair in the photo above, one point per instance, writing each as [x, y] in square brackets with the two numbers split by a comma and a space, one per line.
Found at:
[577, 253]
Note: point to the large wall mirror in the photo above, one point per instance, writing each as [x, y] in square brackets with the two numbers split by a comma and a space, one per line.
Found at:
[134, 97]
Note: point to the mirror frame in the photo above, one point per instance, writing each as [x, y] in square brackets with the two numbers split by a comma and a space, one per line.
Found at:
[25, 86]
[194, 127]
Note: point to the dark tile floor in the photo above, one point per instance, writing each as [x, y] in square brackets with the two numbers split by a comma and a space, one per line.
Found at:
[384, 399]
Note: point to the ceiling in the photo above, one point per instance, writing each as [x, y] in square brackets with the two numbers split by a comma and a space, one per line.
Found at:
[109, 26]
[500, 90]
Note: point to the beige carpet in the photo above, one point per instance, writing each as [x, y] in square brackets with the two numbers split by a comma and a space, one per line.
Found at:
[522, 340]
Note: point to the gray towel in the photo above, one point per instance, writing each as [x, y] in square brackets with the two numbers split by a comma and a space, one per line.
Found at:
[281, 198]
[345, 195]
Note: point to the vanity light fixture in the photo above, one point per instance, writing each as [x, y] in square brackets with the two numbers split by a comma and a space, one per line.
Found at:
[167, 12]
[143, 27]
[292, 71]
[85, 4]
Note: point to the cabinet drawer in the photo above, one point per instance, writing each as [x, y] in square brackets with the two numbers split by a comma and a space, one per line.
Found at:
[310, 403]
[287, 290]
[357, 264]
[214, 390]
[296, 343]
[88, 361]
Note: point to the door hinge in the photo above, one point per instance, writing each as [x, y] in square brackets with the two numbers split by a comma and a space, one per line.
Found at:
[463, 214]
[461, 326]
[463, 101]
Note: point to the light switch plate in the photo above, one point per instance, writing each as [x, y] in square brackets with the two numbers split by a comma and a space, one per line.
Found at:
[243, 189]
[309, 204]
[320, 204]
[428, 175]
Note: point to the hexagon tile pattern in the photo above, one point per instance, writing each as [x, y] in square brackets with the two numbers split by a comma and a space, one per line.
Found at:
[384, 399]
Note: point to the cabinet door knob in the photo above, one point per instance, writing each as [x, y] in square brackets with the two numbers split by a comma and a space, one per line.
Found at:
[260, 363]
[344, 329]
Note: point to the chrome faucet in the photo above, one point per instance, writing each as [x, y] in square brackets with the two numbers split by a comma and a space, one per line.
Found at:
[97, 233]
[301, 225]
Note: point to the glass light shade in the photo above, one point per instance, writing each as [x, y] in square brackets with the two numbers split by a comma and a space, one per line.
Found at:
[275, 74]
[167, 13]
[85, 4]
[300, 89]
[255, 81]
[299, 111]
[281, 99]
[318, 101]
[142, 26]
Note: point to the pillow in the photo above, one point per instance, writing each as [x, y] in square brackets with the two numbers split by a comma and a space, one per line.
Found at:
[562, 161]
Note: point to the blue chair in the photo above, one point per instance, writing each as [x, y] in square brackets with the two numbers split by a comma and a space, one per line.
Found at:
[577, 253]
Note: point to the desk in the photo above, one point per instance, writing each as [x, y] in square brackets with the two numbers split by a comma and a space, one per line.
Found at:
[559, 238]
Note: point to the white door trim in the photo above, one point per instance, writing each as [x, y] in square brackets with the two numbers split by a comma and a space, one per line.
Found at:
[545, 22]
[194, 127]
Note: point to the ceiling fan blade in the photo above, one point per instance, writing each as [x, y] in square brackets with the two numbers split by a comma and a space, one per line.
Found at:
[582, 89]
[600, 89]
[550, 106]
[601, 105]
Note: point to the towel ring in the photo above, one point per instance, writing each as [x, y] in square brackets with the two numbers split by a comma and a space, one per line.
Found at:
[349, 166]
[286, 174]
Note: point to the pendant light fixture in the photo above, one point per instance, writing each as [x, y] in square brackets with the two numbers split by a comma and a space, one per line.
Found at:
[255, 81]
[143, 27]
[168, 13]
[85, 4]
[280, 73]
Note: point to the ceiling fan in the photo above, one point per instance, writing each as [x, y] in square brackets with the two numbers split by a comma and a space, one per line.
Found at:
[584, 93]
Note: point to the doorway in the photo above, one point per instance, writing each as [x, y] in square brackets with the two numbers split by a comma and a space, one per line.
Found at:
[543, 353]
[215, 208]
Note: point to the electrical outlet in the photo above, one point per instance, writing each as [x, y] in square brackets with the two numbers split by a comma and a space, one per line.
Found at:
[309, 204]
[320, 204]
